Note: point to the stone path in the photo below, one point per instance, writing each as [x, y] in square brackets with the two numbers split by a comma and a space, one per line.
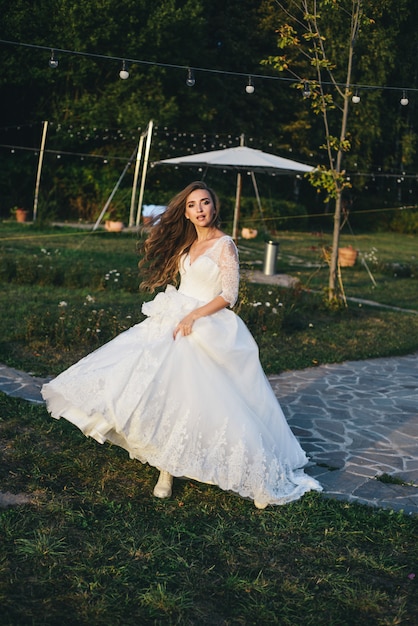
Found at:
[357, 421]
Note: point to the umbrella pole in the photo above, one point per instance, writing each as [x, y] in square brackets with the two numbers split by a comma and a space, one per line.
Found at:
[237, 207]
[257, 195]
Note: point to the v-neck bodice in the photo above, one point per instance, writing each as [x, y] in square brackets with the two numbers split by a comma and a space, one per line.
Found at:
[214, 272]
[205, 252]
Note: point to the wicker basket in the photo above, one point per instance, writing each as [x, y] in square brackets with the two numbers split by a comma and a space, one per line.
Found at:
[347, 257]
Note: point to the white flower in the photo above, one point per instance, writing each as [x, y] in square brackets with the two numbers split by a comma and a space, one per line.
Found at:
[89, 298]
[63, 303]
[310, 325]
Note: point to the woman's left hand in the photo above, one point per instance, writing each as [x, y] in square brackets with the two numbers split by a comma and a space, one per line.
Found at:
[185, 326]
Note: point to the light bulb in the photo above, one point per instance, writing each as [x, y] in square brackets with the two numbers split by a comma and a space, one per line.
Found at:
[190, 80]
[356, 98]
[404, 100]
[306, 90]
[53, 63]
[124, 74]
[250, 87]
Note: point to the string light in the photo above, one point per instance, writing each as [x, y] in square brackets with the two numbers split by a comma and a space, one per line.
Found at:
[190, 80]
[53, 63]
[200, 69]
[404, 100]
[124, 74]
[250, 87]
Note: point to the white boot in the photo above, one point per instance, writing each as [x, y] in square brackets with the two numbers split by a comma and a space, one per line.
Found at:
[164, 485]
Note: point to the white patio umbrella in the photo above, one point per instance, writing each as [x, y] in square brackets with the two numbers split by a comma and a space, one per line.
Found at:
[240, 159]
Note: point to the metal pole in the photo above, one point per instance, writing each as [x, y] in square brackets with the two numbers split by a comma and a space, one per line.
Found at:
[38, 174]
[109, 200]
[257, 195]
[237, 197]
[237, 207]
[135, 182]
[144, 171]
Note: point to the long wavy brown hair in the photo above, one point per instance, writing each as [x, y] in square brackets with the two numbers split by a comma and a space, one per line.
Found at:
[171, 235]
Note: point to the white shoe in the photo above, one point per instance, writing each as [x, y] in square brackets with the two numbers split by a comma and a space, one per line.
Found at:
[258, 505]
[164, 485]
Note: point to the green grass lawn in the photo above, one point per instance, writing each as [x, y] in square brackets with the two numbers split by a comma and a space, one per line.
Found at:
[386, 270]
[95, 547]
[95, 275]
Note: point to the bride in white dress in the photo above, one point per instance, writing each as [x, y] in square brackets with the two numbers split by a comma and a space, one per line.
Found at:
[184, 390]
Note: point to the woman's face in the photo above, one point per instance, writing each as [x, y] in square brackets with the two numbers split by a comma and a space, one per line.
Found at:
[199, 208]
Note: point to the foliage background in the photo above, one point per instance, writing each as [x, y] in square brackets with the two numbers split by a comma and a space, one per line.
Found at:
[92, 112]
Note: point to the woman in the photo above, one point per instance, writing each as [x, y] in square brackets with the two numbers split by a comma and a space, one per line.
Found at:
[184, 390]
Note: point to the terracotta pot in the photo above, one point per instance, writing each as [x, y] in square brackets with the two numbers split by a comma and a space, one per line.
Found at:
[114, 226]
[249, 233]
[22, 215]
[347, 257]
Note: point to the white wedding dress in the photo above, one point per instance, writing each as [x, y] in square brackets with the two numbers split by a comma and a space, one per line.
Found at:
[199, 406]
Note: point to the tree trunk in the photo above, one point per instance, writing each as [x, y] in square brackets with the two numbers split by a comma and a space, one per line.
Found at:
[333, 268]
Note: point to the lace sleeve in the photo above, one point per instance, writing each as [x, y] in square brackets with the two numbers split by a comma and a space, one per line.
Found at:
[229, 267]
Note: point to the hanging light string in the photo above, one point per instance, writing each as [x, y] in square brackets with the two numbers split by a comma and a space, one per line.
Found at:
[53, 50]
[400, 177]
[202, 140]
[215, 140]
[59, 153]
[53, 62]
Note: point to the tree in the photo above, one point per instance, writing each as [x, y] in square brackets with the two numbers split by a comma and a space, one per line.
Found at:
[92, 111]
[311, 41]
[83, 96]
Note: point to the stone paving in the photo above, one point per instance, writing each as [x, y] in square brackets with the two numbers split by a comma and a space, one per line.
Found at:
[356, 420]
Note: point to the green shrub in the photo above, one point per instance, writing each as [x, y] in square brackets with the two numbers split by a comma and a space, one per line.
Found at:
[276, 213]
[405, 221]
[64, 269]
[69, 325]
